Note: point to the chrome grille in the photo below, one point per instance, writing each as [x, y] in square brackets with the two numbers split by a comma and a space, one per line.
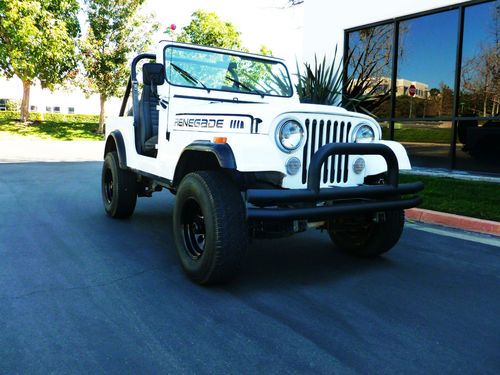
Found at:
[320, 132]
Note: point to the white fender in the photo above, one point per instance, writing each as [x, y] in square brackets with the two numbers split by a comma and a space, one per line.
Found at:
[376, 164]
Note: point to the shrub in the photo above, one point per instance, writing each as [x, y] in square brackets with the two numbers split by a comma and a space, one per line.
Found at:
[13, 105]
[62, 117]
[9, 115]
[56, 117]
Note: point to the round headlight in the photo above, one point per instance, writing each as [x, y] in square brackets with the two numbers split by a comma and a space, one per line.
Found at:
[289, 135]
[364, 134]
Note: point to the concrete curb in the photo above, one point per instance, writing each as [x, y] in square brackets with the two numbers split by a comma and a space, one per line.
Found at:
[454, 221]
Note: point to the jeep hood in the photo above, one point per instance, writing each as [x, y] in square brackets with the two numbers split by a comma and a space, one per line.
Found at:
[267, 112]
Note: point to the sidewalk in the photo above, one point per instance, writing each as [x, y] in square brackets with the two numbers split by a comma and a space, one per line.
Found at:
[19, 149]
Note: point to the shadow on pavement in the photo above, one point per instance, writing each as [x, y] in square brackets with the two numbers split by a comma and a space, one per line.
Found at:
[301, 259]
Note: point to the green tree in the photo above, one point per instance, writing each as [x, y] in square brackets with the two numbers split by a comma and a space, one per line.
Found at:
[207, 29]
[38, 42]
[115, 31]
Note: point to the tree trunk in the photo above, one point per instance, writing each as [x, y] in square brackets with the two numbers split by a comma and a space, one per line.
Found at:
[101, 115]
[25, 103]
[485, 104]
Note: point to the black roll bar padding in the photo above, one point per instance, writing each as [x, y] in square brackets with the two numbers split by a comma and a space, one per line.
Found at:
[125, 98]
[136, 60]
[324, 152]
[135, 84]
[133, 77]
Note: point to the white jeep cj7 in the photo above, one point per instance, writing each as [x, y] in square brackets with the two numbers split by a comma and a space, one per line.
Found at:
[224, 132]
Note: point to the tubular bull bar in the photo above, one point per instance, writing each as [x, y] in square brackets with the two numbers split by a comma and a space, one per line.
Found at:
[341, 201]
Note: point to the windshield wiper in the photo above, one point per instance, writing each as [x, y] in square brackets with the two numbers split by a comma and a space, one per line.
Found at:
[188, 77]
[251, 89]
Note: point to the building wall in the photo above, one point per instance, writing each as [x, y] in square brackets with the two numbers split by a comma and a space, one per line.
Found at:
[325, 21]
[43, 100]
[403, 86]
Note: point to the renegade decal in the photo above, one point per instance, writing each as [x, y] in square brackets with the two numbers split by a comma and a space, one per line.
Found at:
[213, 123]
[199, 123]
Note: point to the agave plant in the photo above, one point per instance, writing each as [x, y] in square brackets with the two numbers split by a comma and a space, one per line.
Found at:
[324, 84]
[321, 84]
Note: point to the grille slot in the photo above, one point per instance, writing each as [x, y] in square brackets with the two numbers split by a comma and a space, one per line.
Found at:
[319, 133]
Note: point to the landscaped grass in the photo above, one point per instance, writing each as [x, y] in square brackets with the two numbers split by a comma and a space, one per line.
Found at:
[461, 197]
[58, 130]
[422, 135]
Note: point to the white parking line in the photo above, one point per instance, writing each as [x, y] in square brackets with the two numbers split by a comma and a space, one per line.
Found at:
[484, 239]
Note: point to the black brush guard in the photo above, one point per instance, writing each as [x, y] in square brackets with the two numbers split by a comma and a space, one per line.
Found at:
[342, 200]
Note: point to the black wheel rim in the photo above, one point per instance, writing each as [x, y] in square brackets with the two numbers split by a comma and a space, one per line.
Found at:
[193, 229]
[108, 185]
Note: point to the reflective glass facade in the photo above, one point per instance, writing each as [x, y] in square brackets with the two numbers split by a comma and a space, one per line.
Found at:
[440, 72]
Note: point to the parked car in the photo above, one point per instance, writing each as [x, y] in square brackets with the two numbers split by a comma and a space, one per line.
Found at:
[225, 132]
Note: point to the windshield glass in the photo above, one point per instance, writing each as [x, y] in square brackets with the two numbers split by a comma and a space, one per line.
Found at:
[209, 70]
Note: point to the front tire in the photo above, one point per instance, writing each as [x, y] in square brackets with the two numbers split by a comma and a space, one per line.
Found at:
[210, 229]
[118, 188]
[362, 236]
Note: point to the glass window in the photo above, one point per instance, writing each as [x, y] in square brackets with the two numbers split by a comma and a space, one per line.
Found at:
[427, 142]
[196, 68]
[426, 66]
[369, 68]
[425, 81]
[478, 145]
[57, 109]
[478, 141]
[71, 110]
[48, 109]
[425, 91]
[480, 77]
[3, 104]
[33, 108]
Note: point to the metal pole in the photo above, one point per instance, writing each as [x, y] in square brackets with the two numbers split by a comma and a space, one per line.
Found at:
[456, 101]
[395, 48]
[345, 66]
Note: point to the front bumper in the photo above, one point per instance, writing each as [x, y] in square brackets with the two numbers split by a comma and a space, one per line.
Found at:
[281, 204]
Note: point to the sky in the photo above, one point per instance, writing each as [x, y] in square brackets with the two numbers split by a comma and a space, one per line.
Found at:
[429, 49]
[431, 42]
[261, 22]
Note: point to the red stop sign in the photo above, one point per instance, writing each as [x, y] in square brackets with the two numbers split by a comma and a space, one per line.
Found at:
[412, 90]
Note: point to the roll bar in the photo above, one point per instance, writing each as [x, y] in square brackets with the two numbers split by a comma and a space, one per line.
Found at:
[133, 85]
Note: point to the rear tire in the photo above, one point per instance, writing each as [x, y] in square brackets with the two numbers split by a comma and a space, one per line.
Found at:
[118, 187]
[210, 229]
[361, 236]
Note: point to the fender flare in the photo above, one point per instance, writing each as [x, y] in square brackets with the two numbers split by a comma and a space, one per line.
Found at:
[221, 151]
[116, 137]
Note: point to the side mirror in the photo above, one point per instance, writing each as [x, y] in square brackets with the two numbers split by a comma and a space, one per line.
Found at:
[153, 74]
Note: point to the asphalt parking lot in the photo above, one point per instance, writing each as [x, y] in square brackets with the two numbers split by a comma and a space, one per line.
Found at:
[82, 293]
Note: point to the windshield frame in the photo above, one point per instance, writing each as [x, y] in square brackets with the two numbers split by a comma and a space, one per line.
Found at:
[255, 57]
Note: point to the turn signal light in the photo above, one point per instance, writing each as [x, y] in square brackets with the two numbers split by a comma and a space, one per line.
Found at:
[220, 139]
